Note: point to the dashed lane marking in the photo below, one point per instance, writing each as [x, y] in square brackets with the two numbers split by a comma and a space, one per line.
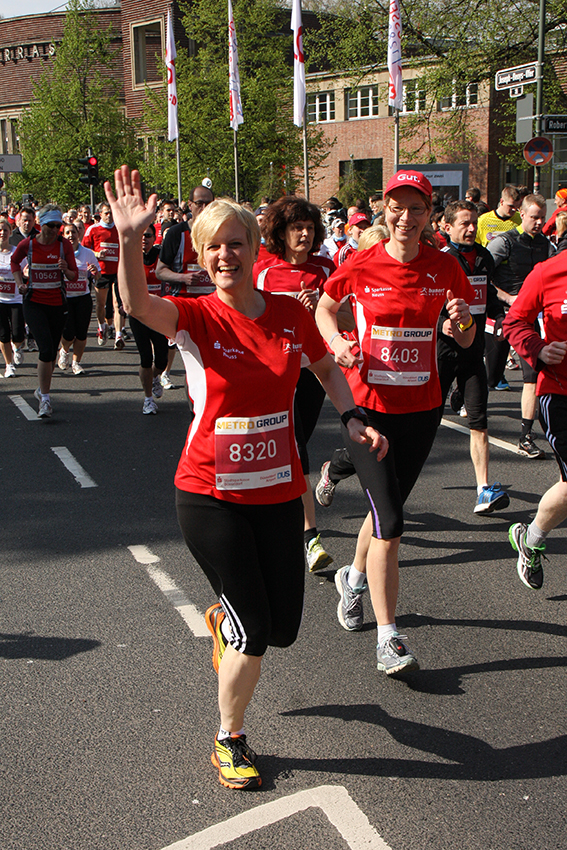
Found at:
[333, 800]
[24, 408]
[494, 441]
[193, 618]
[74, 467]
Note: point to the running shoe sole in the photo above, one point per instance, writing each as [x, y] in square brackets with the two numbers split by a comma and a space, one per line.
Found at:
[497, 505]
[213, 619]
[521, 529]
[251, 783]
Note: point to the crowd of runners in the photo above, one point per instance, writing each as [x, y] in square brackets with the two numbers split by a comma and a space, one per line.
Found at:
[388, 307]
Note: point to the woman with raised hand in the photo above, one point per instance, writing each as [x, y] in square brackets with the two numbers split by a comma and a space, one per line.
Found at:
[239, 480]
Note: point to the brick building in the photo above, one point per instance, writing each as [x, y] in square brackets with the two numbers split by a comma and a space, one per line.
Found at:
[352, 113]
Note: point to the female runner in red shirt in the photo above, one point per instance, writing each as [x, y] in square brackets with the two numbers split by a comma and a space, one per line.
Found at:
[239, 480]
[293, 230]
[399, 287]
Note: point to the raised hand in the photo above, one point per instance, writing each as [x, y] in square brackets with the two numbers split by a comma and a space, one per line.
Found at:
[129, 212]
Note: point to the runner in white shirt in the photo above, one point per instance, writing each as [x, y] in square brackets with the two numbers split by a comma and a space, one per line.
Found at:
[79, 303]
[12, 325]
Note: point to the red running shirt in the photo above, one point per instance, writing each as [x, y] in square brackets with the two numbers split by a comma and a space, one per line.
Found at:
[242, 375]
[396, 308]
[282, 278]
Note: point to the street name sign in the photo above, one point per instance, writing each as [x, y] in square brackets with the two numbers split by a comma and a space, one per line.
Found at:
[510, 78]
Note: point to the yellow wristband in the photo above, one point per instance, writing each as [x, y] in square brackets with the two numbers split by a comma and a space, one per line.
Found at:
[469, 324]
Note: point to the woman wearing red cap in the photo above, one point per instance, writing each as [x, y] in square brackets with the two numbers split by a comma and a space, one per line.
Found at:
[399, 287]
[561, 201]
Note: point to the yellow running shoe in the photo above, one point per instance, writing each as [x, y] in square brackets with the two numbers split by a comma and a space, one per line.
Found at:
[235, 762]
[213, 618]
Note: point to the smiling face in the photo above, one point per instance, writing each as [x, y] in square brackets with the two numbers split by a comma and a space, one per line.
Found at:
[406, 215]
[4, 234]
[70, 233]
[228, 257]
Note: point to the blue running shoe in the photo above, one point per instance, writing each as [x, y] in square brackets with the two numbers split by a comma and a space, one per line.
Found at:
[502, 385]
[492, 498]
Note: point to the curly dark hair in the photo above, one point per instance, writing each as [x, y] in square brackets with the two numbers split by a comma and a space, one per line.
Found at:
[285, 211]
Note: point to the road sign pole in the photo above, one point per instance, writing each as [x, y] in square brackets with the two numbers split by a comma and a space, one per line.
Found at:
[539, 85]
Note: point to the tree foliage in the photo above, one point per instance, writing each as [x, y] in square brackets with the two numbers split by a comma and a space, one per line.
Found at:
[453, 44]
[270, 149]
[75, 106]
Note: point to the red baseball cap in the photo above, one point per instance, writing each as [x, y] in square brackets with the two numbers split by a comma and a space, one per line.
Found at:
[358, 218]
[413, 179]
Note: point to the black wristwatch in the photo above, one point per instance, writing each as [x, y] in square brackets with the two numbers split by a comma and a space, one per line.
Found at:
[355, 413]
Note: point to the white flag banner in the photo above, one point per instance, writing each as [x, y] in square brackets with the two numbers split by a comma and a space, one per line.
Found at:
[395, 87]
[236, 116]
[170, 56]
[298, 64]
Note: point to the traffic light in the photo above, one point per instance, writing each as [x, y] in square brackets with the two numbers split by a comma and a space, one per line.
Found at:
[89, 169]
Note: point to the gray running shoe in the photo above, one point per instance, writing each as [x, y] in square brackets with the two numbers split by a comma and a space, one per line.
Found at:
[395, 657]
[325, 489]
[349, 609]
[529, 565]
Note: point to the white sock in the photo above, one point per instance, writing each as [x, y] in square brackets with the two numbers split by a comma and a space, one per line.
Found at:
[535, 537]
[386, 632]
[45, 397]
[356, 580]
[480, 488]
[222, 733]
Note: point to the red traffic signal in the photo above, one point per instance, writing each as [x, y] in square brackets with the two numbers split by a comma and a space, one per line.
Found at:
[89, 170]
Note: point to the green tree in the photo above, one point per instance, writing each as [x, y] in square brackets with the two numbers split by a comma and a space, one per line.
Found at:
[75, 106]
[270, 149]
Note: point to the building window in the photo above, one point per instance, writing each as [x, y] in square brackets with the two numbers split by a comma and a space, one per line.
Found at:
[362, 103]
[362, 174]
[147, 53]
[413, 96]
[321, 107]
[463, 95]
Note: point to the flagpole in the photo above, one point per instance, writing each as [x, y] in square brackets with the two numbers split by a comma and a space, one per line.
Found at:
[236, 188]
[396, 140]
[305, 157]
[299, 94]
[236, 114]
[179, 195]
[395, 83]
[172, 117]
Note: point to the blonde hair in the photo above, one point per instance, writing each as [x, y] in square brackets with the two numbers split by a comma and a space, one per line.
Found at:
[215, 214]
[6, 221]
[560, 223]
[427, 236]
[372, 235]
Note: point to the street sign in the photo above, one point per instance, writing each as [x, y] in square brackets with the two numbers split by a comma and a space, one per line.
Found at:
[554, 124]
[510, 78]
[524, 119]
[10, 162]
[538, 151]
[517, 91]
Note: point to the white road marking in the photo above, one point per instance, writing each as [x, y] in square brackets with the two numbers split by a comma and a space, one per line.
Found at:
[74, 467]
[510, 447]
[193, 618]
[334, 800]
[24, 408]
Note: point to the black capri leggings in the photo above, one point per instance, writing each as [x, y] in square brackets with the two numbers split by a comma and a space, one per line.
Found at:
[46, 322]
[12, 325]
[388, 484]
[152, 346]
[472, 382]
[80, 308]
[309, 398]
[253, 557]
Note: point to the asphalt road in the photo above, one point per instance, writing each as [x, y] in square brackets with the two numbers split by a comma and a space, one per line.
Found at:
[108, 706]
